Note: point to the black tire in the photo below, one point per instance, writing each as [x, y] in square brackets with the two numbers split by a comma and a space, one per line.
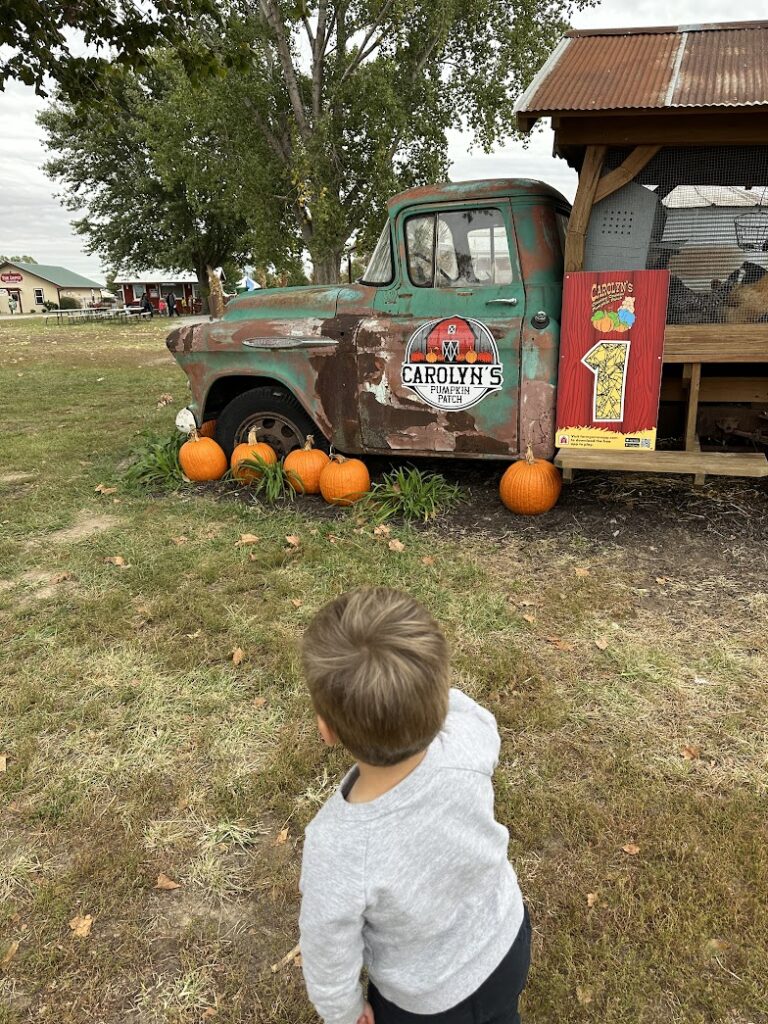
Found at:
[275, 415]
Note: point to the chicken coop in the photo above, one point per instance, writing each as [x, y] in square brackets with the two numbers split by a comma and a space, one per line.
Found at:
[668, 130]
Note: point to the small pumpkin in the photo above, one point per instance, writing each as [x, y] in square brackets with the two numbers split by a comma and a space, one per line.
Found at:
[484, 357]
[201, 458]
[344, 481]
[208, 429]
[531, 486]
[303, 467]
[471, 356]
[251, 449]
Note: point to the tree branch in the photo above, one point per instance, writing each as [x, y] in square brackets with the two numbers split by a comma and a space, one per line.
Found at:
[318, 59]
[274, 19]
[362, 52]
[281, 147]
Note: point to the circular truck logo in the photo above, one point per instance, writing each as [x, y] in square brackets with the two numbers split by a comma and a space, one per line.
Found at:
[452, 363]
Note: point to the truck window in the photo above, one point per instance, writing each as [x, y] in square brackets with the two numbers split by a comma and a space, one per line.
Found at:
[380, 269]
[457, 249]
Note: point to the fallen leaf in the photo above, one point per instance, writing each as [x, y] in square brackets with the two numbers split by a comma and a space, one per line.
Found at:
[716, 945]
[296, 602]
[252, 556]
[691, 752]
[178, 541]
[246, 538]
[117, 560]
[591, 899]
[396, 545]
[81, 926]
[60, 577]
[293, 540]
[3, 762]
[165, 883]
[193, 636]
[584, 995]
[259, 702]
[427, 560]
[631, 848]
[103, 489]
[529, 618]
[282, 837]
[237, 656]
[10, 953]
[560, 644]
[381, 531]
[661, 580]
[14, 807]
[582, 571]
[164, 400]
[601, 643]
[209, 1012]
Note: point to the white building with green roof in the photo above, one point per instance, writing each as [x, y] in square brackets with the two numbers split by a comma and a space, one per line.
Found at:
[28, 286]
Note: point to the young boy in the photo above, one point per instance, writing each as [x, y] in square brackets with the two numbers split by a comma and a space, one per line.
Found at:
[405, 868]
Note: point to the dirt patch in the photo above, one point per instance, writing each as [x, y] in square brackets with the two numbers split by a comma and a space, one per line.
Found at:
[85, 527]
[17, 478]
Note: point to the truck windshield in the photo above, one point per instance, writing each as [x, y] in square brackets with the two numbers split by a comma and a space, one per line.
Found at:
[379, 269]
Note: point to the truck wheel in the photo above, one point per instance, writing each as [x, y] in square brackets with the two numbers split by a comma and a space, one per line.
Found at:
[273, 413]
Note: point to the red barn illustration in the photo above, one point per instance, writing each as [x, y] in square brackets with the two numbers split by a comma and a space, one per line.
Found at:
[451, 339]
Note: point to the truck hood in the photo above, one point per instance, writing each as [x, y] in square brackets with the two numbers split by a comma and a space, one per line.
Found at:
[285, 303]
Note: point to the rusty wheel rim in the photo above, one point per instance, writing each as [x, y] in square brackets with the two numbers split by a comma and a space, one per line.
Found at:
[278, 431]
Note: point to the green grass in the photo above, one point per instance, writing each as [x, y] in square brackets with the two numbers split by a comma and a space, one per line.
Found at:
[136, 746]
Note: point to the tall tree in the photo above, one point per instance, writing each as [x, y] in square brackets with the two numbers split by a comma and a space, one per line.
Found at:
[39, 39]
[355, 97]
[17, 259]
[170, 173]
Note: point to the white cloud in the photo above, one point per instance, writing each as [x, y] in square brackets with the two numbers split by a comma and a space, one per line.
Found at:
[33, 221]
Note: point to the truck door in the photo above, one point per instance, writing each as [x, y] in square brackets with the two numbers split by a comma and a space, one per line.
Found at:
[439, 362]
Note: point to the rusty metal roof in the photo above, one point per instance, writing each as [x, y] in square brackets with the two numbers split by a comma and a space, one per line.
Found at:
[666, 68]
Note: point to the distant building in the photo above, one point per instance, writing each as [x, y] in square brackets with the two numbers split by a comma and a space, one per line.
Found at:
[34, 284]
[157, 284]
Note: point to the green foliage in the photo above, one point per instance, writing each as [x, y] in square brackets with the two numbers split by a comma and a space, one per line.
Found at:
[154, 463]
[67, 302]
[38, 38]
[170, 172]
[411, 494]
[17, 259]
[272, 484]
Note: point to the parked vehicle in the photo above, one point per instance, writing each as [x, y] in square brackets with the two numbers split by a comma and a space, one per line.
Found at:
[447, 346]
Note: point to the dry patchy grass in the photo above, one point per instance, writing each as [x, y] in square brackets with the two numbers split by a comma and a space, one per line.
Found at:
[629, 685]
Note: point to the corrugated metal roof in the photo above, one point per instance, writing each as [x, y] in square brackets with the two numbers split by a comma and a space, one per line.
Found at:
[155, 276]
[653, 69]
[57, 275]
[688, 197]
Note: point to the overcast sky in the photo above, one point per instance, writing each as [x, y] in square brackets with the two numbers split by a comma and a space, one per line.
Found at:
[33, 222]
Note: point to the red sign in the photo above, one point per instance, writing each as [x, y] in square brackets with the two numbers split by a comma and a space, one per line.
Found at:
[611, 346]
[11, 278]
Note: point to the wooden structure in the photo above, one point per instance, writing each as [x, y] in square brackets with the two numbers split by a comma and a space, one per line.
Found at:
[697, 95]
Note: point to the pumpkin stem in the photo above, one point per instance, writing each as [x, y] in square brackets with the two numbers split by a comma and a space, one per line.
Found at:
[194, 435]
[339, 457]
[529, 455]
[253, 437]
[309, 443]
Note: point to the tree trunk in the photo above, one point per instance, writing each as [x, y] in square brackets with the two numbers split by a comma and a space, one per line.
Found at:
[202, 281]
[326, 269]
[215, 293]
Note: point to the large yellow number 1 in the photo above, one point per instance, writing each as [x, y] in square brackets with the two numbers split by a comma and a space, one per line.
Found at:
[608, 361]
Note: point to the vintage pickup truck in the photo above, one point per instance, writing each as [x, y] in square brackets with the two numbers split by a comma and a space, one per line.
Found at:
[447, 346]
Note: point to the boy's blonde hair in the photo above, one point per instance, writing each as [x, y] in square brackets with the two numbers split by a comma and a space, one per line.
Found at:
[377, 667]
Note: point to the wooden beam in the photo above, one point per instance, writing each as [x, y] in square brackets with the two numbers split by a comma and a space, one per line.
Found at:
[691, 438]
[704, 129]
[720, 389]
[716, 343]
[634, 163]
[711, 463]
[582, 207]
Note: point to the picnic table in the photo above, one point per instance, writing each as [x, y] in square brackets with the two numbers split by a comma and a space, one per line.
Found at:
[91, 314]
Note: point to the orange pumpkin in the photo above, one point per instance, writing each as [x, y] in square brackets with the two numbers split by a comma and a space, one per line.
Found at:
[471, 356]
[344, 481]
[208, 429]
[251, 449]
[531, 486]
[304, 466]
[201, 458]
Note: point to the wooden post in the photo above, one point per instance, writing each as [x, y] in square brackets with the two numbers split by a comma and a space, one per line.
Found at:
[582, 207]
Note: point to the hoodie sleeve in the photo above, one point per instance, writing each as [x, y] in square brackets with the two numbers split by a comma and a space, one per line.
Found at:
[331, 928]
[473, 733]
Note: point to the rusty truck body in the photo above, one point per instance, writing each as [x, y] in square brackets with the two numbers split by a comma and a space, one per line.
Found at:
[447, 346]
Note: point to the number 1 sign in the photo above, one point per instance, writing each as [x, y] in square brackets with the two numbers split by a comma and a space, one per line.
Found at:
[611, 345]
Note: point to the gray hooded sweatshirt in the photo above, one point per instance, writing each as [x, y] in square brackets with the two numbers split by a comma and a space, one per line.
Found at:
[414, 885]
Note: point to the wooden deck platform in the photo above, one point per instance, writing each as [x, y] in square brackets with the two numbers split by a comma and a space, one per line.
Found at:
[697, 464]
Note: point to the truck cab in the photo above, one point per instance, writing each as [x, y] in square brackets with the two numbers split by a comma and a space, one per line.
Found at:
[447, 346]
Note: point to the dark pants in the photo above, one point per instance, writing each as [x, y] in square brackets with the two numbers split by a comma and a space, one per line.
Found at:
[495, 1002]
[172, 311]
